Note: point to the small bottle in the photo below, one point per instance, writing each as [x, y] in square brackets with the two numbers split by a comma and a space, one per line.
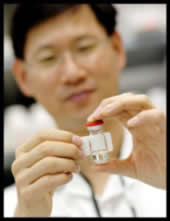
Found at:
[98, 144]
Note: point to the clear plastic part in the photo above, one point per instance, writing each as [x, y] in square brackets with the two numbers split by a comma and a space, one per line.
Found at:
[98, 155]
[98, 144]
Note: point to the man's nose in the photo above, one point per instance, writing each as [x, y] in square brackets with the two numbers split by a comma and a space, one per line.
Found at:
[73, 73]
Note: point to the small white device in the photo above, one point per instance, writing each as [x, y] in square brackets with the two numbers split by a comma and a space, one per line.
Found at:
[98, 144]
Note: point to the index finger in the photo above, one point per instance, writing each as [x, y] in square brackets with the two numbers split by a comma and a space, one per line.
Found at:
[123, 108]
[45, 135]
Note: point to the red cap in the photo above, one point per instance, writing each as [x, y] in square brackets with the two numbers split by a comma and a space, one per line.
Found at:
[95, 123]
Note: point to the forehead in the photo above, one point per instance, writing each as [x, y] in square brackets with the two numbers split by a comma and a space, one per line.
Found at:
[68, 26]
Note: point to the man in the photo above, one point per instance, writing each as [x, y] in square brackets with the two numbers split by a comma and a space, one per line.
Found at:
[68, 57]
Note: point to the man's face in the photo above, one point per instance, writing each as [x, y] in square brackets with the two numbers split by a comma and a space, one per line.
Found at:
[71, 88]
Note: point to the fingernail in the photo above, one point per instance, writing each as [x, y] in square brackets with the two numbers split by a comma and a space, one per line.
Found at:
[90, 119]
[98, 111]
[94, 114]
[76, 140]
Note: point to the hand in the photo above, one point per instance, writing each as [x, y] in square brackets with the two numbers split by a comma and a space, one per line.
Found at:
[147, 124]
[42, 164]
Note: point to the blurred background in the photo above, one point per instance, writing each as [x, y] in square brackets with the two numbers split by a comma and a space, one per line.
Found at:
[143, 29]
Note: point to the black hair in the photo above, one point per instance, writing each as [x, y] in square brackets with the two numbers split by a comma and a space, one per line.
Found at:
[26, 16]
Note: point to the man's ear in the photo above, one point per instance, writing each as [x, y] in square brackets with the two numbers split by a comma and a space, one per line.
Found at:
[21, 77]
[118, 47]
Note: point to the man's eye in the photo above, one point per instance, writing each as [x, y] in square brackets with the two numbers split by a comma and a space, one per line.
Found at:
[47, 59]
[86, 48]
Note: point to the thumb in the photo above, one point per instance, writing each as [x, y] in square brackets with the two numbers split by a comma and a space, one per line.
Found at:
[124, 167]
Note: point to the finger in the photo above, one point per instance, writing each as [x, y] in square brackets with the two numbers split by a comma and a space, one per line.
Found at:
[46, 183]
[114, 98]
[46, 149]
[44, 135]
[149, 128]
[134, 102]
[107, 101]
[123, 109]
[152, 115]
[48, 165]
[124, 167]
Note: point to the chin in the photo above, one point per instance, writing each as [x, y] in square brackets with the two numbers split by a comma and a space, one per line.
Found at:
[80, 117]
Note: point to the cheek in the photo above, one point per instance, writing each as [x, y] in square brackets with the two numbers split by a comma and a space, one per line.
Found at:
[106, 72]
[104, 68]
[42, 86]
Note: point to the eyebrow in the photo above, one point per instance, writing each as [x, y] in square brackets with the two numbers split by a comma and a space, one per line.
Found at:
[84, 37]
[51, 46]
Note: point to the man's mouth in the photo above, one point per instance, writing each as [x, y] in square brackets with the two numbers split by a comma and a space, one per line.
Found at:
[80, 96]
